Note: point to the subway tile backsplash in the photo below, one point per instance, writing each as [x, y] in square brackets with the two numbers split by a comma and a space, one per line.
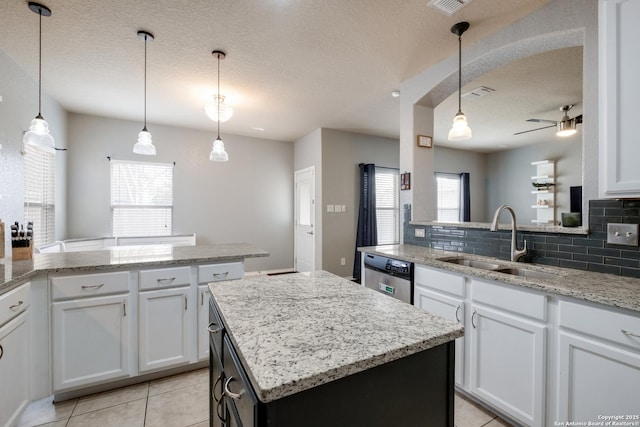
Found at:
[590, 252]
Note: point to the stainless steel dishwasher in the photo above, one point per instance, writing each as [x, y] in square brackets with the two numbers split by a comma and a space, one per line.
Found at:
[389, 276]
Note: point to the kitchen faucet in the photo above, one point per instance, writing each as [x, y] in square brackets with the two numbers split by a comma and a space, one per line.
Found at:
[515, 253]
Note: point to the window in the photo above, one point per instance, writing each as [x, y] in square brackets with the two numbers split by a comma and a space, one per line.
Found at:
[39, 194]
[388, 205]
[448, 201]
[141, 198]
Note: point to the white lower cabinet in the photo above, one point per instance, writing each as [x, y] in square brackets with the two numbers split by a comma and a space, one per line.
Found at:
[164, 337]
[204, 295]
[599, 364]
[90, 340]
[15, 353]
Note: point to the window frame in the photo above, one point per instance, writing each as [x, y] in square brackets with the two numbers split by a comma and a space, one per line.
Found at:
[451, 176]
[40, 172]
[395, 209]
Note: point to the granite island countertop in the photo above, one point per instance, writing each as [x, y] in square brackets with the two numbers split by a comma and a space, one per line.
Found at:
[607, 289]
[296, 331]
[13, 273]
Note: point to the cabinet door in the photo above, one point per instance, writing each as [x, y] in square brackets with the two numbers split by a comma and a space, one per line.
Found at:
[450, 309]
[203, 321]
[163, 333]
[90, 340]
[618, 34]
[596, 379]
[14, 369]
[508, 363]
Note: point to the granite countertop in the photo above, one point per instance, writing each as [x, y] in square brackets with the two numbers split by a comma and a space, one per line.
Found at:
[13, 273]
[608, 289]
[538, 228]
[296, 331]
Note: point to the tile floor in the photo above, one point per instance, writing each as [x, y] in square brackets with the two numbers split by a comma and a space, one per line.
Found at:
[176, 401]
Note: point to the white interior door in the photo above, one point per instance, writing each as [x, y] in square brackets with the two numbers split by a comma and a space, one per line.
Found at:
[305, 233]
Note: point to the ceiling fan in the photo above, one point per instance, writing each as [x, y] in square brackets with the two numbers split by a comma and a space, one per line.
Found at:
[566, 126]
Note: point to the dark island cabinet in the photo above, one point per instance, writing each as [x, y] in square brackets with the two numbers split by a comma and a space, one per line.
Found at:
[413, 391]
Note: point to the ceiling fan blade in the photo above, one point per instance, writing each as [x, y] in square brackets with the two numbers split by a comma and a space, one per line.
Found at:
[542, 121]
[532, 130]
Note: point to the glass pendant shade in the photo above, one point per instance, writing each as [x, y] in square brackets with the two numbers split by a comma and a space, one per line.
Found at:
[144, 144]
[218, 153]
[211, 108]
[460, 130]
[39, 136]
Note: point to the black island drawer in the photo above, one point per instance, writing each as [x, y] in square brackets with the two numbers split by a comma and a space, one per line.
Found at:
[239, 394]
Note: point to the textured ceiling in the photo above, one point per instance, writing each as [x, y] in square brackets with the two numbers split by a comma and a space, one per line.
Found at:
[292, 65]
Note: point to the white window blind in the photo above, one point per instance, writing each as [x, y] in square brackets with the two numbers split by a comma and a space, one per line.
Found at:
[39, 194]
[141, 198]
[388, 205]
[448, 202]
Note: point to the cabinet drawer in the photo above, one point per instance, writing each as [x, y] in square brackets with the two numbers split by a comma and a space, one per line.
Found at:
[443, 281]
[237, 388]
[164, 278]
[217, 272]
[89, 285]
[512, 298]
[609, 324]
[14, 302]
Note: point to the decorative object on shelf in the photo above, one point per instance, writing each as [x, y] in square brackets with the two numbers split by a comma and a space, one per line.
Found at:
[460, 130]
[215, 104]
[144, 144]
[405, 181]
[425, 141]
[218, 153]
[38, 134]
[543, 183]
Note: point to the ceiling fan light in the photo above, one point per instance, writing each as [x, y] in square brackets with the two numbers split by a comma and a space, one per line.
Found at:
[211, 108]
[460, 130]
[566, 128]
[39, 136]
[218, 153]
[144, 144]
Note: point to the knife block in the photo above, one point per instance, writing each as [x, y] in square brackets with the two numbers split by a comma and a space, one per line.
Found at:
[21, 254]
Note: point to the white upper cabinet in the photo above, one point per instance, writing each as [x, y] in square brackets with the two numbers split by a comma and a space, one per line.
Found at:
[619, 88]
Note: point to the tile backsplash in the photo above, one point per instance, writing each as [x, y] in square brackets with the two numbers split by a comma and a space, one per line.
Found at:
[584, 252]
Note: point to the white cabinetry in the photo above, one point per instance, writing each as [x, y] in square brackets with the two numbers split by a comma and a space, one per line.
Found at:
[15, 354]
[164, 336]
[443, 295]
[204, 296]
[599, 361]
[508, 350]
[544, 182]
[91, 329]
[618, 34]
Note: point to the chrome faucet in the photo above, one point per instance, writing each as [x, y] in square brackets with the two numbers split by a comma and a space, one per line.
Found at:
[515, 253]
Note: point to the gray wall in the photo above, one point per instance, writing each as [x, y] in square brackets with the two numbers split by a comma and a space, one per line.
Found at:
[341, 154]
[18, 107]
[248, 199]
[509, 176]
[457, 161]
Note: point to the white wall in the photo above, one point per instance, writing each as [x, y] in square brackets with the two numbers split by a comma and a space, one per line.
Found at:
[341, 154]
[248, 199]
[18, 107]
[458, 161]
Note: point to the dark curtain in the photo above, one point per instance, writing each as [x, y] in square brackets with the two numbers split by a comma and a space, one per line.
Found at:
[367, 234]
[465, 198]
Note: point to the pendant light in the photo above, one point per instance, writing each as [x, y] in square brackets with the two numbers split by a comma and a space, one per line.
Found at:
[144, 144]
[38, 134]
[460, 130]
[218, 154]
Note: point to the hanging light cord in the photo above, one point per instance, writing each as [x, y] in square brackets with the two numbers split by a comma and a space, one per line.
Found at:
[459, 73]
[145, 83]
[40, 69]
[218, 97]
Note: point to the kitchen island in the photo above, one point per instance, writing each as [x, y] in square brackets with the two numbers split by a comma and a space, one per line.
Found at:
[315, 349]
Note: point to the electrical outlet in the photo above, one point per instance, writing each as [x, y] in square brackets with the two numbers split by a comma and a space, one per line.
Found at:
[344, 208]
[336, 208]
[622, 234]
[419, 232]
[343, 261]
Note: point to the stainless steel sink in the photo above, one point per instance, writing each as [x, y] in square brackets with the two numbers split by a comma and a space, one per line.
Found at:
[523, 272]
[483, 265]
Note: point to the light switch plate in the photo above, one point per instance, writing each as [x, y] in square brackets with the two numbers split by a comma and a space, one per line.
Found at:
[622, 234]
[419, 232]
[329, 208]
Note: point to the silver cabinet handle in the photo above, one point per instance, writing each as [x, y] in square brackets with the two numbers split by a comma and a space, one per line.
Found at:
[216, 330]
[16, 306]
[1, 351]
[92, 286]
[457, 311]
[202, 297]
[124, 309]
[218, 275]
[185, 303]
[167, 280]
[629, 334]
[234, 396]
[472, 317]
